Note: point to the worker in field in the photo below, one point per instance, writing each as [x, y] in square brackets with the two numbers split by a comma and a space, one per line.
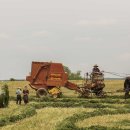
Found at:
[25, 95]
[4, 96]
[96, 73]
[18, 98]
[95, 69]
[127, 87]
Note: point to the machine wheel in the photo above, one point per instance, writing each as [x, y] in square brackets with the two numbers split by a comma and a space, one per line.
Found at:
[42, 92]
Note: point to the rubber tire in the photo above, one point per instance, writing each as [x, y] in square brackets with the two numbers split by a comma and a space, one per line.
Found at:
[42, 92]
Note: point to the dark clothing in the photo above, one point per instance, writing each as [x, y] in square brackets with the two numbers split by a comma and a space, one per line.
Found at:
[127, 84]
[19, 99]
[127, 87]
[25, 92]
[95, 70]
[25, 96]
[95, 73]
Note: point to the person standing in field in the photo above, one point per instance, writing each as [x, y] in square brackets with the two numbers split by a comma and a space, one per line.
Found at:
[4, 96]
[18, 98]
[127, 87]
[25, 95]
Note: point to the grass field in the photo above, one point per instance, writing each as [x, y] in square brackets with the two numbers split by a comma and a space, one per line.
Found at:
[69, 112]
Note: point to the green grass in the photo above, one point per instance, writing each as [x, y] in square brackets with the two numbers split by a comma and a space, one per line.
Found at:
[69, 112]
[45, 119]
[15, 113]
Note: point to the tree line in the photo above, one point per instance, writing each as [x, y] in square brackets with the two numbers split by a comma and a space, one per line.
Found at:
[73, 75]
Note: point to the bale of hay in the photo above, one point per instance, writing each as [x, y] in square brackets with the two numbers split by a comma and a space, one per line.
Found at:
[4, 96]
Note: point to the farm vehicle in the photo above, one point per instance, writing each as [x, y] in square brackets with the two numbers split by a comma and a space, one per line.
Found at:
[93, 85]
[47, 78]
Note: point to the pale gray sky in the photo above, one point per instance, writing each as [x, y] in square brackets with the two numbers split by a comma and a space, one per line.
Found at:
[77, 33]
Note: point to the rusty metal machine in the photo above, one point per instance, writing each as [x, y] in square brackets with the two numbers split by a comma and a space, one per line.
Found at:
[47, 78]
[93, 85]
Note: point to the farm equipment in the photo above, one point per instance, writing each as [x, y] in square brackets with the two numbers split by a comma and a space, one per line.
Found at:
[47, 78]
[93, 85]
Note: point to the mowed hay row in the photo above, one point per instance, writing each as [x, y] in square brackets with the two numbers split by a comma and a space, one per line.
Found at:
[106, 120]
[6, 111]
[15, 113]
[96, 118]
[45, 119]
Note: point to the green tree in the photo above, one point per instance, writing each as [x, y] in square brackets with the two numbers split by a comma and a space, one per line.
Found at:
[72, 75]
[76, 76]
[12, 79]
[66, 69]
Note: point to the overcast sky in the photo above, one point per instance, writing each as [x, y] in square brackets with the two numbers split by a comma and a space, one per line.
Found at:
[77, 33]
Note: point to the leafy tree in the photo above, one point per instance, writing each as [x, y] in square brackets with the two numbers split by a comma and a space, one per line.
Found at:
[12, 79]
[76, 76]
[73, 75]
[66, 69]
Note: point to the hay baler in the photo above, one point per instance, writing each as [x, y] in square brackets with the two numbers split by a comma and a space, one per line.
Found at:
[47, 78]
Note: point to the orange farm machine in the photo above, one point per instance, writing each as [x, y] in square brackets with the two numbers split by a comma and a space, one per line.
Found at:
[47, 78]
